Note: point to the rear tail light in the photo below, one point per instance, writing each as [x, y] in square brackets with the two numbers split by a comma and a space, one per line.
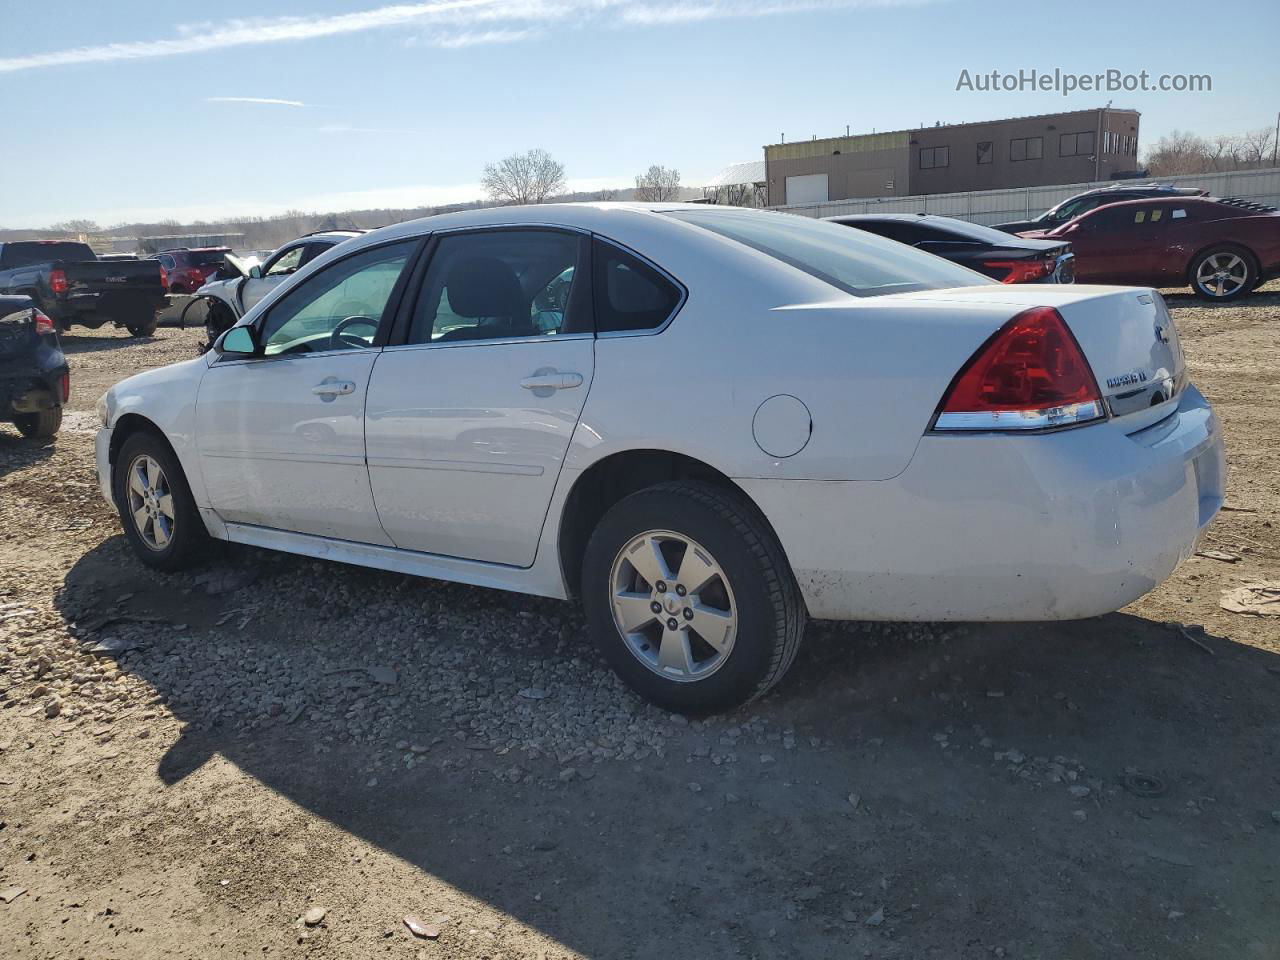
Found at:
[66, 387]
[1030, 375]
[164, 278]
[58, 281]
[43, 324]
[1021, 271]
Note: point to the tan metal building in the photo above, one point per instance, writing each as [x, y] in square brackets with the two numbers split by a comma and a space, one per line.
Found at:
[1020, 152]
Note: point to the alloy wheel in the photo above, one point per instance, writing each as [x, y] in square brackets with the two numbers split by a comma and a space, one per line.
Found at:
[1222, 274]
[673, 605]
[150, 502]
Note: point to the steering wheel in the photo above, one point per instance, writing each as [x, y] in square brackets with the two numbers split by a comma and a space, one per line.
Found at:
[340, 338]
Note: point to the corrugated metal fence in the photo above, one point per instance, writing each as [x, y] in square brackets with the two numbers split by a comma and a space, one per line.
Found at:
[1022, 203]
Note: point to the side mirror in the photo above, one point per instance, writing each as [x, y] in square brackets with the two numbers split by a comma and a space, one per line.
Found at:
[238, 341]
[255, 272]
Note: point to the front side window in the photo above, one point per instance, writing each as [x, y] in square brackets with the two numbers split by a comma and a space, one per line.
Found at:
[934, 157]
[502, 284]
[285, 264]
[850, 260]
[338, 308]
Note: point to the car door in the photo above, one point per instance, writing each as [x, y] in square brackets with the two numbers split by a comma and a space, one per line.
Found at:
[1120, 244]
[280, 434]
[470, 413]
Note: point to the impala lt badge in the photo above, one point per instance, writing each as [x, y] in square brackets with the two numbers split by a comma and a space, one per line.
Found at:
[1130, 379]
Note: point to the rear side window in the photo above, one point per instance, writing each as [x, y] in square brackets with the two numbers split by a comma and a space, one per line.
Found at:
[856, 262]
[629, 294]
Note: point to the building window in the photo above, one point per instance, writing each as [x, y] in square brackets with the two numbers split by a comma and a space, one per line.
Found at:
[984, 151]
[1026, 148]
[933, 157]
[1075, 144]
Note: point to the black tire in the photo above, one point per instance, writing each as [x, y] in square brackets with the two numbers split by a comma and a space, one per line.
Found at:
[218, 320]
[770, 611]
[143, 328]
[189, 538]
[1246, 284]
[39, 425]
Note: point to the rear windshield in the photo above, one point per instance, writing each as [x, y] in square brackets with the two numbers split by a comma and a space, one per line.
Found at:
[856, 262]
[24, 254]
[207, 258]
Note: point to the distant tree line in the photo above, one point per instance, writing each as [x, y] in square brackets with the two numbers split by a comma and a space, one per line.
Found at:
[1181, 152]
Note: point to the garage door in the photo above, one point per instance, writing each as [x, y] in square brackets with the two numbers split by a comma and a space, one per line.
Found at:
[811, 188]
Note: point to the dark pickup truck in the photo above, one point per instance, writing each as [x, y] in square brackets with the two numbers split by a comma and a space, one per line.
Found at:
[71, 285]
[35, 381]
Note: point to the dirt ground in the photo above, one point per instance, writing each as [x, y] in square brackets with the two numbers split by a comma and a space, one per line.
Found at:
[290, 735]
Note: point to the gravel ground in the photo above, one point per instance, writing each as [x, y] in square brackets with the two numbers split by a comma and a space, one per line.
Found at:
[273, 756]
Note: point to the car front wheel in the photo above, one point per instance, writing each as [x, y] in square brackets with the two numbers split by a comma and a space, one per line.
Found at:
[690, 597]
[160, 517]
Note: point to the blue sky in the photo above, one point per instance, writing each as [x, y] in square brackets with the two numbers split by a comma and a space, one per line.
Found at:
[403, 103]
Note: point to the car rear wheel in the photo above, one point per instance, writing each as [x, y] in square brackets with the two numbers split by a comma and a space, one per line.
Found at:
[143, 328]
[159, 514]
[39, 425]
[690, 598]
[1223, 273]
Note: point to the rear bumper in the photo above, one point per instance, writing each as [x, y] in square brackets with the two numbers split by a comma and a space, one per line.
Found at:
[33, 382]
[1056, 526]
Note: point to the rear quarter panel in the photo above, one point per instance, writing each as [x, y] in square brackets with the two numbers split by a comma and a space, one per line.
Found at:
[870, 371]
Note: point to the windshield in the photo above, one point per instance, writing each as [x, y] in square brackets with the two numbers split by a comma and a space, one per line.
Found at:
[851, 260]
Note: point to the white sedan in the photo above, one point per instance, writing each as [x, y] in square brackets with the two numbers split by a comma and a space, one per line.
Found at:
[706, 423]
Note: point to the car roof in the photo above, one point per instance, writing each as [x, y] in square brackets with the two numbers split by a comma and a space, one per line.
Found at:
[582, 215]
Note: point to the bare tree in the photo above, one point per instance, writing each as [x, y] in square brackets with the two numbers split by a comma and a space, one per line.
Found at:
[77, 226]
[530, 177]
[658, 185]
[1181, 153]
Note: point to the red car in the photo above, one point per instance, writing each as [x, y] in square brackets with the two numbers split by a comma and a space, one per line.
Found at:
[187, 269]
[1222, 249]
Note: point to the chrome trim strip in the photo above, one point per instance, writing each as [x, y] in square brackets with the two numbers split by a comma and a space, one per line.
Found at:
[465, 466]
[497, 341]
[1003, 420]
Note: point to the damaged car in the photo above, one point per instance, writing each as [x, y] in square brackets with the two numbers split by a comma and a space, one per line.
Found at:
[35, 381]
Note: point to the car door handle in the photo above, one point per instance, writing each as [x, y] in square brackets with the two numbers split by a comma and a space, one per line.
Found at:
[333, 388]
[552, 381]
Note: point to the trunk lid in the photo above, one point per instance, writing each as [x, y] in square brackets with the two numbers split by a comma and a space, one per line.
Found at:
[95, 276]
[1126, 333]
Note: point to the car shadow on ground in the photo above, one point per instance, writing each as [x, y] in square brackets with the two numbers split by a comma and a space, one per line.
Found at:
[1092, 789]
[73, 344]
[18, 453]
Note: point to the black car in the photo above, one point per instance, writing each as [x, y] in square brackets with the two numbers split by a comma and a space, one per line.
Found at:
[1072, 207]
[999, 255]
[35, 380]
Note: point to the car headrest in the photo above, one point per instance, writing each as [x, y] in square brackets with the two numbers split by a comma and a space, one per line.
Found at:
[486, 287]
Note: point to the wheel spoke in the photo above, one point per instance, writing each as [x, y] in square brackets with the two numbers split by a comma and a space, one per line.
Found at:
[674, 654]
[166, 505]
[714, 626]
[696, 570]
[137, 480]
[141, 518]
[632, 611]
[649, 562]
[160, 531]
[1218, 286]
[153, 473]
